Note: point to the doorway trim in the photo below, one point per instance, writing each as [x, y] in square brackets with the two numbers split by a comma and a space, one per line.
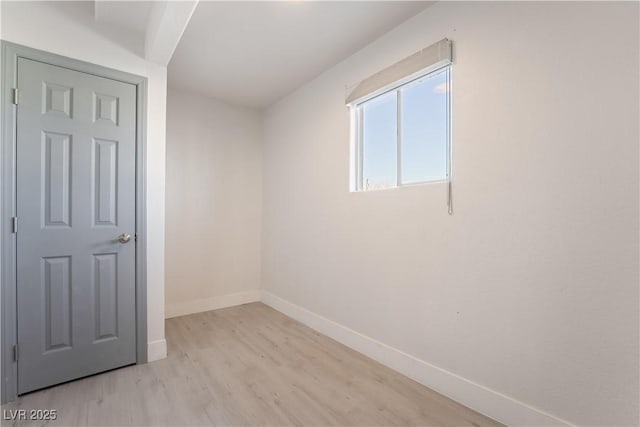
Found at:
[8, 307]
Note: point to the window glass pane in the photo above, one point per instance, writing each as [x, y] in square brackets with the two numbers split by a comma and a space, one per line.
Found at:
[424, 129]
[379, 147]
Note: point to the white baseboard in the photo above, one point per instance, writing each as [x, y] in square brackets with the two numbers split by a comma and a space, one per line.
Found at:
[156, 350]
[482, 399]
[197, 306]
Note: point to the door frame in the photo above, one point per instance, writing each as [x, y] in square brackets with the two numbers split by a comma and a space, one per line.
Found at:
[8, 190]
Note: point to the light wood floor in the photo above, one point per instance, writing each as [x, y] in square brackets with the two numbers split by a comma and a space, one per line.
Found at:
[249, 365]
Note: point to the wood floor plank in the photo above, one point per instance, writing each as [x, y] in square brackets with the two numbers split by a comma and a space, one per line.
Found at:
[249, 366]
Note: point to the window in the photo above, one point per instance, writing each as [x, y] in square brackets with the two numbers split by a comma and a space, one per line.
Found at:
[402, 135]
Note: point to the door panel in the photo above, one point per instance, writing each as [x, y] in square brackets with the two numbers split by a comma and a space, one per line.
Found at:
[75, 196]
[105, 154]
[56, 151]
[57, 302]
[105, 286]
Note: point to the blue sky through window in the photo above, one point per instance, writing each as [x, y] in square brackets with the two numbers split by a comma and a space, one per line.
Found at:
[424, 126]
[379, 162]
[424, 130]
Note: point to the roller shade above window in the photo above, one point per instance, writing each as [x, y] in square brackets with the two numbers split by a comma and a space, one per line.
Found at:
[428, 59]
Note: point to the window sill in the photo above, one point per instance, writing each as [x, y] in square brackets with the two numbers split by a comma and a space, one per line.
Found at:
[398, 187]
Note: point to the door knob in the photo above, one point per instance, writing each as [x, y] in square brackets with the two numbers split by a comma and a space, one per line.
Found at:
[124, 237]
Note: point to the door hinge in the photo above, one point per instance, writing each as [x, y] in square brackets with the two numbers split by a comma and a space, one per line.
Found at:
[15, 353]
[15, 96]
[14, 224]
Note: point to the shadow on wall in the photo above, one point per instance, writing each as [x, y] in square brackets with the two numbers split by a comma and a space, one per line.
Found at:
[82, 13]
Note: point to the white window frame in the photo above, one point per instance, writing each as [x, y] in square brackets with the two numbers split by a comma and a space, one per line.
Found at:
[357, 133]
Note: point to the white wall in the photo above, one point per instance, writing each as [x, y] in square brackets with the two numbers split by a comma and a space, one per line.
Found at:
[69, 29]
[214, 204]
[531, 288]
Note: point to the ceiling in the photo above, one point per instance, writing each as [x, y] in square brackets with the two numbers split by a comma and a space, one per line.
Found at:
[254, 53]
